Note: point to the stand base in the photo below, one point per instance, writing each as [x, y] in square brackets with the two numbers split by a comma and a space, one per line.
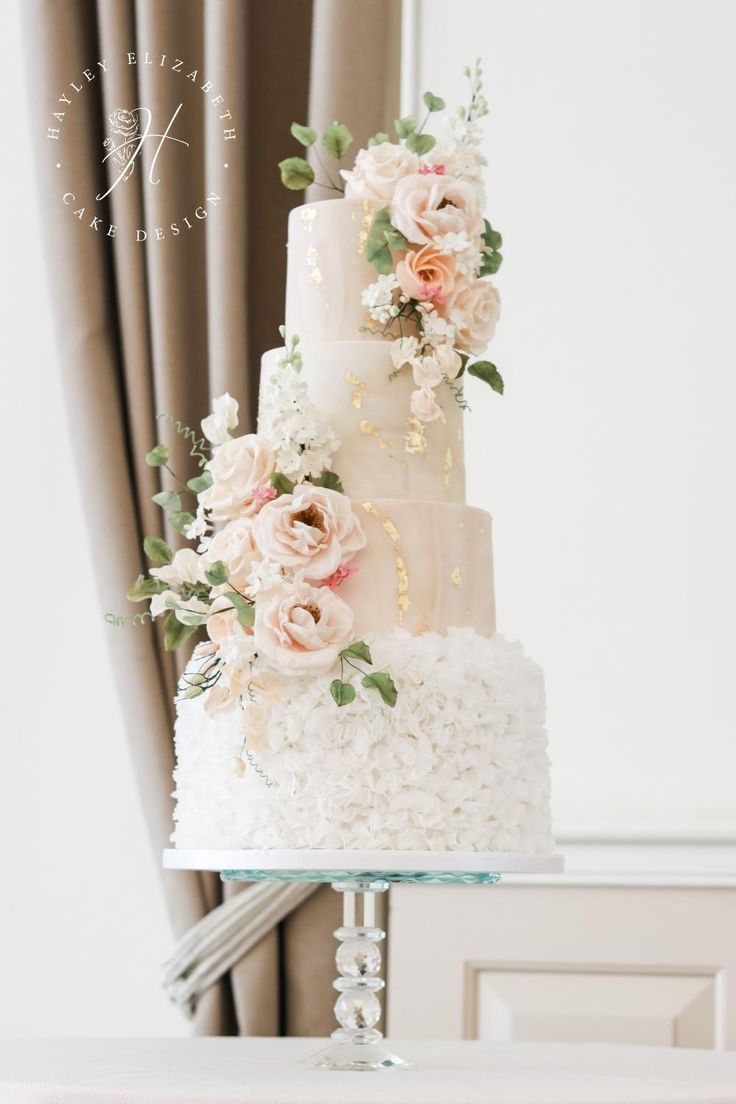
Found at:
[349, 1052]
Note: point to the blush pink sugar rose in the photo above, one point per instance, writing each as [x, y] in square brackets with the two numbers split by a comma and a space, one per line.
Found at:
[301, 629]
[313, 530]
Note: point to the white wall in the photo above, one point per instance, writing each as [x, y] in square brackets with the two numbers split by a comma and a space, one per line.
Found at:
[82, 923]
[609, 464]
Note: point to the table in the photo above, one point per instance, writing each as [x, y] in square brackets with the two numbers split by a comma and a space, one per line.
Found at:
[268, 1071]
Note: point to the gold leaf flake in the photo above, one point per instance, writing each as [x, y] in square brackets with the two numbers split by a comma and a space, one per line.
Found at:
[359, 385]
[391, 529]
[456, 577]
[371, 431]
[448, 466]
[416, 442]
[308, 215]
[365, 227]
[402, 575]
[315, 274]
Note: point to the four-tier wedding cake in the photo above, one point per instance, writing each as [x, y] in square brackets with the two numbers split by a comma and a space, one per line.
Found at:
[352, 691]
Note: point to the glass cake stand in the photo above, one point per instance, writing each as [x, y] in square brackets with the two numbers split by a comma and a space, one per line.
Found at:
[358, 876]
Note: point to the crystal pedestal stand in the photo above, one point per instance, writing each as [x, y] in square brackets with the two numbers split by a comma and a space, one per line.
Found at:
[357, 1043]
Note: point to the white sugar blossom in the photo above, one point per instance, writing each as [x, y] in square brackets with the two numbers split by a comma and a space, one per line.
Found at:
[302, 442]
[199, 528]
[237, 650]
[437, 330]
[186, 567]
[224, 417]
[404, 350]
[463, 249]
[379, 298]
[264, 576]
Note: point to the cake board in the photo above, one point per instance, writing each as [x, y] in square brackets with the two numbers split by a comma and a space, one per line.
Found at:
[359, 875]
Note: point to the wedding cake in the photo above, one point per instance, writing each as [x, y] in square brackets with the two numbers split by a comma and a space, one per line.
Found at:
[352, 691]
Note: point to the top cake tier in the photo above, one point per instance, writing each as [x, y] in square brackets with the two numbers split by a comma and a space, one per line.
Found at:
[327, 271]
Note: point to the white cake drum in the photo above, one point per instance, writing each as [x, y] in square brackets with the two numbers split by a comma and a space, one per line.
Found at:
[384, 450]
[384, 862]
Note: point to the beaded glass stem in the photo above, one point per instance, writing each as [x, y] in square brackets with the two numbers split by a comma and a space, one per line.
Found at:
[357, 1044]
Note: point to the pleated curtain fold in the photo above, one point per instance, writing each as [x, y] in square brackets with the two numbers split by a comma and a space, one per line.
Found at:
[163, 326]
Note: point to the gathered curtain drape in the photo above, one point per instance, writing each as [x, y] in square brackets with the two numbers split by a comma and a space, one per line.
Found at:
[164, 324]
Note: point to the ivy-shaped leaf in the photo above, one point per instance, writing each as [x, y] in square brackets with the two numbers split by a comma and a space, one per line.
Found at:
[200, 483]
[157, 550]
[406, 126]
[420, 143]
[181, 520]
[490, 257]
[157, 457]
[489, 373]
[337, 140]
[296, 173]
[384, 684]
[433, 103]
[358, 650]
[342, 692]
[303, 134]
[217, 574]
[167, 500]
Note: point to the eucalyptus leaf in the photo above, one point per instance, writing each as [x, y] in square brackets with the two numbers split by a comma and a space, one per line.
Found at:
[489, 373]
[296, 173]
[245, 609]
[394, 238]
[378, 254]
[406, 126]
[342, 692]
[176, 634]
[181, 520]
[157, 550]
[282, 483]
[331, 480]
[378, 139]
[420, 143]
[145, 587]
[337, 140]
[384, 684]
[490, 263]
[303, 134]
[157, 457]
[217, 574]
[167, 500]
[200, 483]
[190, 617]
[358, 650]
[433, 103]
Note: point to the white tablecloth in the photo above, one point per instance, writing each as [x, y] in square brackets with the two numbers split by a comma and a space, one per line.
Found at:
[268, 1071]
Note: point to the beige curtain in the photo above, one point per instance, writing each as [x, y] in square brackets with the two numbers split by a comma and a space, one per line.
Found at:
[164, 325]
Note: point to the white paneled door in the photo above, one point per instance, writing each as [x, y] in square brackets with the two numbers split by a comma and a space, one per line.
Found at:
[619, 964]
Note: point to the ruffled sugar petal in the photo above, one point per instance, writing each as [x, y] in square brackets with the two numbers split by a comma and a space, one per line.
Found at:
[460, 763]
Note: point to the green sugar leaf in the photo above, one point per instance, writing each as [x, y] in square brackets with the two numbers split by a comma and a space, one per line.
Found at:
[433, 103]
[384, 684]
[406, 126]
[331, 480]
[157, 550]
[342, 692]
[420, 143]
[145, 587]
[378, 139]
[358, 650]
[200, 483]
[337, 140]
[296, 173]
[175, 633]
[282, 483]
[167, 500]
[303, 134]
[217, 574]
[157, 457]
[489, 373]
[245, 609]
[181, 520]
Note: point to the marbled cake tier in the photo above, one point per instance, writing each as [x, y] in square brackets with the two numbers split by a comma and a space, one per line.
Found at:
[384, 450]
[327, 271]
[459, 764]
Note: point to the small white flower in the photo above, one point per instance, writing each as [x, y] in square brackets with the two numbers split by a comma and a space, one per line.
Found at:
[302, 442]
[404, 350]
[264, 576]
[223, 418]
[436, 329]
[378, 298]
[186, 567]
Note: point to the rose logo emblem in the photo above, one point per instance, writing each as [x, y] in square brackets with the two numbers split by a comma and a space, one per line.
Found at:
[125, 124]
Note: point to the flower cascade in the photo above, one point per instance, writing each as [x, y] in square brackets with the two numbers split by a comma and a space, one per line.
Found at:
[275, 536]
[428, 241]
